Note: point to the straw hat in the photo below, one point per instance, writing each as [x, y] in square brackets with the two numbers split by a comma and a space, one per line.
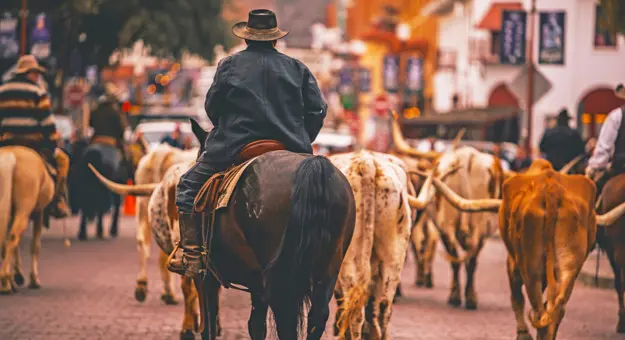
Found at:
[261, 25]
[28, 63]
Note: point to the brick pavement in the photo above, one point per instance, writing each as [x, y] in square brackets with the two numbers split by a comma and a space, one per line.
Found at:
[87, 293]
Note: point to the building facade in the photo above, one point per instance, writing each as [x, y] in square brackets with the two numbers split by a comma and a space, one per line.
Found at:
[473, 76]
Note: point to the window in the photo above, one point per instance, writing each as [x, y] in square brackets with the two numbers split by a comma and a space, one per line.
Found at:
[603, 37]
[495, 42]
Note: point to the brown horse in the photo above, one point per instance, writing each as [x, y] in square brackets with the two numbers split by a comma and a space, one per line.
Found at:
[283, 236]
[612, 240]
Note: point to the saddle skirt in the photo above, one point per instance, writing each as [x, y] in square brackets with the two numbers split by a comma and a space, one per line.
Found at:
[215, 194]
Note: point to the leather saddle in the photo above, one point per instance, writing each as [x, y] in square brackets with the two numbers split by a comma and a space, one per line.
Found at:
[216, 193]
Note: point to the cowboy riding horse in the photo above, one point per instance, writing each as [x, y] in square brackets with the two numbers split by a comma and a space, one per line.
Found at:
[258, 211]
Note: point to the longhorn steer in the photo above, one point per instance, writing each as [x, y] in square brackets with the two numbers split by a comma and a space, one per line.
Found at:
[372, 266]
[548, 224]
[475, 175]
[151, 169]
[150, 172]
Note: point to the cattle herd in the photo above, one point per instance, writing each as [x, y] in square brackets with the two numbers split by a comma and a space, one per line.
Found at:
[408, 198]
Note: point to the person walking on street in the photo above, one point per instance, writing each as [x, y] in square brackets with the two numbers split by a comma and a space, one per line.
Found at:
[561, 144]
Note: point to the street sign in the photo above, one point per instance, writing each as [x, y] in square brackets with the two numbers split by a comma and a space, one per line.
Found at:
[518, 86]
[381, 105]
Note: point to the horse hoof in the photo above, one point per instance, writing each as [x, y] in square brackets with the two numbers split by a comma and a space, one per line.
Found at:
[34, 285]
[169, 299]
[523, 335]
[19, 279]
[454, 301]
[140, 294]
[113, 233]
[620, 328]
[82, 237]
[187, 335]
[100, 237]
[470, 305]
[428, 281]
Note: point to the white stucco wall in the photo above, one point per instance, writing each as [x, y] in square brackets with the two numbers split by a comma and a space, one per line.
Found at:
[586, 68]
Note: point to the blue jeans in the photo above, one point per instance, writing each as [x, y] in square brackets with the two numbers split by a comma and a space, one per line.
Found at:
[191, 182]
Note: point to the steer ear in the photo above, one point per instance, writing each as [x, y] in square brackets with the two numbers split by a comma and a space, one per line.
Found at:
[199, 133]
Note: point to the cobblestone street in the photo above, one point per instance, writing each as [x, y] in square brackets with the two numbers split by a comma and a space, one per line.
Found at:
[88, 293]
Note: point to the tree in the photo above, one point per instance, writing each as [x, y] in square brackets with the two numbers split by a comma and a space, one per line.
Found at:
[613, 15]
[169, 27]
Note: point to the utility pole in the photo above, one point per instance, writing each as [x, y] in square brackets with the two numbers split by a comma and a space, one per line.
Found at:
[530, 76]
[24, 25]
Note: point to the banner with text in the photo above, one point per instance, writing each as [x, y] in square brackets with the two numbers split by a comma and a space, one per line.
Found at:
[551, 43]
[390, 73]
[513, 28]
[9, 47]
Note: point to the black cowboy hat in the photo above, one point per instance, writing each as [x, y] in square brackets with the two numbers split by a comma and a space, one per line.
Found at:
[261, 25]
[564, 115]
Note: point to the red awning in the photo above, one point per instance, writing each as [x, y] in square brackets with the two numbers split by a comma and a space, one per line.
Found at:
[492, 20]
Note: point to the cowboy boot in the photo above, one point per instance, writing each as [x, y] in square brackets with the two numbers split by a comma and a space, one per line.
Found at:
[59, 208]
[190, 264]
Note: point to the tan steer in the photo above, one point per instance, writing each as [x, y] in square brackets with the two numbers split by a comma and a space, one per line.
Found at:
[548, 224]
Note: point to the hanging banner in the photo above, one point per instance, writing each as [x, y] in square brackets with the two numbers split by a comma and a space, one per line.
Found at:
[513, 27]
[346, 80]
[9, 47]
[551, 43]
[364, 80]
[391, 73]
[40, 37]
[414, 76]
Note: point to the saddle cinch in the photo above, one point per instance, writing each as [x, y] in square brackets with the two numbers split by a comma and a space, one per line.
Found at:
[215, 194]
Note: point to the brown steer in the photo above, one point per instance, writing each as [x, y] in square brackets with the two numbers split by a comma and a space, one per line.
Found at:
[548, 224]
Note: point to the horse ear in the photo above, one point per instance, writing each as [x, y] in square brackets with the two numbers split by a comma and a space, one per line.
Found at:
[199, 133]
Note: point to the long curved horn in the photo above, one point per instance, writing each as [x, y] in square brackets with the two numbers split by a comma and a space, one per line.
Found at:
[144, 143]
[608, 219]
[463, 204]
[402, 145]
[565, 169]
[123, 189]
[458, 138]
[427, 193]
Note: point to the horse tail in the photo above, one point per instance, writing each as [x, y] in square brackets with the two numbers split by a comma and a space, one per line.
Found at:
[7, 167]
[308, 233]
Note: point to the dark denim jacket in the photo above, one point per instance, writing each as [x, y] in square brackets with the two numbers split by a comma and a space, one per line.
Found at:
[260, 93]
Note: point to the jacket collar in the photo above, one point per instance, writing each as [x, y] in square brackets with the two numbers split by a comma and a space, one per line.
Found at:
[260, 46]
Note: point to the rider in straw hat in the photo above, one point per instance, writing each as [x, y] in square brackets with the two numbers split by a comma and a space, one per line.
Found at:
[25, 119]
[611, 142]
[258, 93]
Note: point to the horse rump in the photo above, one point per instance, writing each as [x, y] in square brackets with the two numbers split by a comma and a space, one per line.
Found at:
[318, 206]
[91, 196]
